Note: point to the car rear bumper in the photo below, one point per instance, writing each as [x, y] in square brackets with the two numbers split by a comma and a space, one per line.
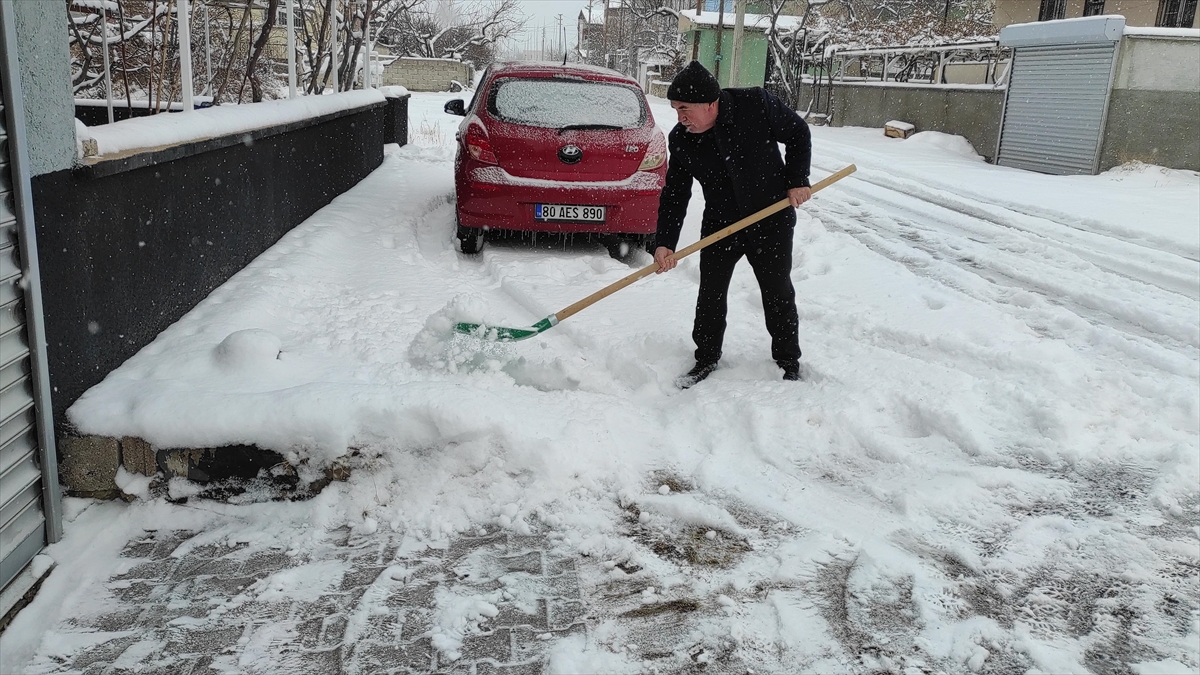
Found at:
[489, 197]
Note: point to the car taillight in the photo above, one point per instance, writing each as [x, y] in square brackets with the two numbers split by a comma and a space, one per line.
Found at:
[478, 145]
[656, 154]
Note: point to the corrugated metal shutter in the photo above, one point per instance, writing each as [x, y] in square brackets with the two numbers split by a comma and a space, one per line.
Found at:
[22, 523]
[1055, 108]
[30, 504]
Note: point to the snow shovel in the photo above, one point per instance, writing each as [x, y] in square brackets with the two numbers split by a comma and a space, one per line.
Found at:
[501, 334]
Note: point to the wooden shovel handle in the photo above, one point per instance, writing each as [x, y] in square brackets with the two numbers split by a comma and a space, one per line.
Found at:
[683, 253]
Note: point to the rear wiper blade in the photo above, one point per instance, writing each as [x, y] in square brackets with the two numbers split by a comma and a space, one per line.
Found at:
[588, 126]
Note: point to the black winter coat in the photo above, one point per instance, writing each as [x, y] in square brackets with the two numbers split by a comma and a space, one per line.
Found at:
[750, 125]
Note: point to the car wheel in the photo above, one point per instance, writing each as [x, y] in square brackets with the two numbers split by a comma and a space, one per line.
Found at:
[470, 239]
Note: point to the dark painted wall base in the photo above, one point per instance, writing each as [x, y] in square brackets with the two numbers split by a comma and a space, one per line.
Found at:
[395, 121]
[126, 251]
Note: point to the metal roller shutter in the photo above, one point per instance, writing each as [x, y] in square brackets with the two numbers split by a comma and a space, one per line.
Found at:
[1057, 100]
[29, 498]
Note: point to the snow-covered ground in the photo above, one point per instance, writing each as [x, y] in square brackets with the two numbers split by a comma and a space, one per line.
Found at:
[992, 463]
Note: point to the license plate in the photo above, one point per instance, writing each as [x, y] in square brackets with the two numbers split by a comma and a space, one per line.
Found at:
[569, 212]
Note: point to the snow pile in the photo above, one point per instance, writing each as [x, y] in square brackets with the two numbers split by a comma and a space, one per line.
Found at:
[394, 91]
[688, 510]
[944, 143]
[458, 617]
[439, 347]
[248, 349]
[83, 138]
[305, 583]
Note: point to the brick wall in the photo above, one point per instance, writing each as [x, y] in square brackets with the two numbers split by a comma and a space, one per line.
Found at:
[426, 74]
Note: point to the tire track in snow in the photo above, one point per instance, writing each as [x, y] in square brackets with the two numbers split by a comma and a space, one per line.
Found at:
[1168, 270]
[936, 246]
[1010, 214]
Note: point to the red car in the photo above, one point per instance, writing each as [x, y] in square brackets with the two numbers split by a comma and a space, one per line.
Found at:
[558, 148]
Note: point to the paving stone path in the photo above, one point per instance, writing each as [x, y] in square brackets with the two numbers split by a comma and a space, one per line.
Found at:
[354, 607]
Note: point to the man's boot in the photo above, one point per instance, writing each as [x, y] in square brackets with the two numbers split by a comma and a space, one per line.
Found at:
[791, 370]
[696, 374]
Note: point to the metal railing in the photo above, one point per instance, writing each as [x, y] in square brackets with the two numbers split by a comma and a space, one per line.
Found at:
[816, 71]
[980, 62]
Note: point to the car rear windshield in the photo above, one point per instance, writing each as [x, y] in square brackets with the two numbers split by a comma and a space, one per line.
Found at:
[557, 103]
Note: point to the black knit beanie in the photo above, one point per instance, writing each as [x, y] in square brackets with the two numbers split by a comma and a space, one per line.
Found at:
[694, 84]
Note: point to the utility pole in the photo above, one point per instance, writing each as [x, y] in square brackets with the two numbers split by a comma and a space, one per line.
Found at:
[696, 43]
[558, 35]
[735, 63]
[720, 31]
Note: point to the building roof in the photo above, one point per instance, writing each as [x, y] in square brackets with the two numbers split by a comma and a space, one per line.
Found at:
[758, 22]
[596, 19]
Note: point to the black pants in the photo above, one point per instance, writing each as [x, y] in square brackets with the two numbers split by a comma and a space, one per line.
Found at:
[768, 247]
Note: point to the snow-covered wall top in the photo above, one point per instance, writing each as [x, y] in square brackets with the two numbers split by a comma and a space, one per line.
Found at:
[157, 131]
[1149, 31]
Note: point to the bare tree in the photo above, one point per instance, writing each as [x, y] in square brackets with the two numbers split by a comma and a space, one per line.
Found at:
[637, 32]
[412, 28]
[143, 42]
[800, 51]
[260, 44]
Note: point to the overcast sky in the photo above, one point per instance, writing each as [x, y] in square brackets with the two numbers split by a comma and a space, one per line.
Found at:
[545, 12]
[547, 9]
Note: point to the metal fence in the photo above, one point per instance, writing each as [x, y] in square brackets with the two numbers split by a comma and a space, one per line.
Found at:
[806, 78]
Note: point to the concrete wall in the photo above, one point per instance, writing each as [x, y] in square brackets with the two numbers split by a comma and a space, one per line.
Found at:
[1015, 11]
[426, 74]
[1136, 12]
[971, 113]
[129, 245]
[46, 84]
[1158, 63]
[1152, 114]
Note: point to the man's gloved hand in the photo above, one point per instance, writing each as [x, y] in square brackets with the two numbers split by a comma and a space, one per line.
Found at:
[665, 262]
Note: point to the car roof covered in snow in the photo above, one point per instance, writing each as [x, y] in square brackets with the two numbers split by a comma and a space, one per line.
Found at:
[550, 69]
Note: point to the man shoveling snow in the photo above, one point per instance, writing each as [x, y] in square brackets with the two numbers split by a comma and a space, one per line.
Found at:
[728, 140]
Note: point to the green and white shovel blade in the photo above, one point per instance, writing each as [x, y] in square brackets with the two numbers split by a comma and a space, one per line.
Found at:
[502, 334]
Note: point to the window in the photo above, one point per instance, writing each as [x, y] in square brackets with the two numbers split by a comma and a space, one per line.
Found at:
[1176, 13]
[1052, 9]
[1093, 7]
[281, 17]
[555, 103]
